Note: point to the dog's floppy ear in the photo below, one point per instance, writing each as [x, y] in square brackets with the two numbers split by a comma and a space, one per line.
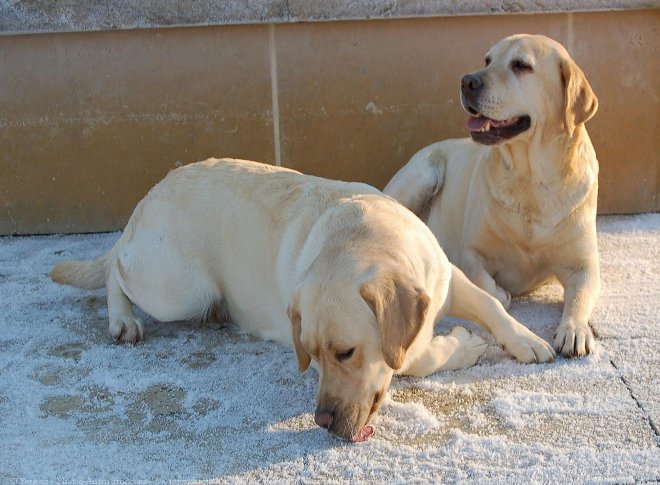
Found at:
[301, 354]
[400, 309]
[580, 102]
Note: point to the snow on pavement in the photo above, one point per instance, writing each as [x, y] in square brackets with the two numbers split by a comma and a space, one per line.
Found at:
[207, 404]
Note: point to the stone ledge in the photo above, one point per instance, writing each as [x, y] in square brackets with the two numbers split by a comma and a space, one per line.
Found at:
[43, 16]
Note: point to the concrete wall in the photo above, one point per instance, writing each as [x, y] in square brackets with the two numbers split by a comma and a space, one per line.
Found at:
[89, 121]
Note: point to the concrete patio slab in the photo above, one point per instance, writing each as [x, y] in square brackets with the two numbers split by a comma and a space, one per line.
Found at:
[207, 404]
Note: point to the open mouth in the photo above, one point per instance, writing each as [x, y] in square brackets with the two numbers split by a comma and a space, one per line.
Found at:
[491, 132]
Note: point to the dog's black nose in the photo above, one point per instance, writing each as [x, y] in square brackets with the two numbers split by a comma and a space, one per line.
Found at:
[471, 83]
[323, 418]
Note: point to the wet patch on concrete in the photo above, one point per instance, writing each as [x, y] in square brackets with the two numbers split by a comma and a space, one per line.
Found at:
[451, 407]
[163, 399]
[71, 351]
[97, 400]
[52, 375]
[205, 406]
[199, 360]
[61, 406]
[441, 403]
[48, 375]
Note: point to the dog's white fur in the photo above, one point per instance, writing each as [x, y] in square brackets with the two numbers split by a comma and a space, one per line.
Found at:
[328, 266]
[515, 214]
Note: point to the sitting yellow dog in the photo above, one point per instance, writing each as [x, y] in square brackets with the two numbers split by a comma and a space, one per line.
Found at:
[516, 205]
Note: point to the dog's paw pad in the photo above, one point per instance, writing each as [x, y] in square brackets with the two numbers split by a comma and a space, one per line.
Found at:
[127, 330]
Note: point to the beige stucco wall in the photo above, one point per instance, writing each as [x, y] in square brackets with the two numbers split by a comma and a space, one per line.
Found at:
[90, 121]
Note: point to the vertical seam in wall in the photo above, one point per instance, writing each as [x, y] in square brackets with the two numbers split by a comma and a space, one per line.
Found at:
[570, 35]
[274, 94]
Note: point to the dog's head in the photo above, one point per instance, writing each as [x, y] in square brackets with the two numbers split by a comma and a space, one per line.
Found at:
[529, 82]
[357, 330]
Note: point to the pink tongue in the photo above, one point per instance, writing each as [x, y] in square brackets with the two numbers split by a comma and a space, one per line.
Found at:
[475, 124]
[363, 434]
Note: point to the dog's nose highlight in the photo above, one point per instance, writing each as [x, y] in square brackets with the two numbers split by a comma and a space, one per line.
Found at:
[471, 83]
[323, 418]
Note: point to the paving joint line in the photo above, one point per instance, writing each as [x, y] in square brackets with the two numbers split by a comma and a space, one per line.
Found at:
[616, 338]
[647, 417]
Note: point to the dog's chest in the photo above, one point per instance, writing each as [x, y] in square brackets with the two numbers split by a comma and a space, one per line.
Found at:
[516, 263]
[521, 216]
[532, 205]
[518, 245]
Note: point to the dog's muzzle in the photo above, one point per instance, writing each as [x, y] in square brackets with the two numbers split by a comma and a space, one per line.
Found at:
[484, 130]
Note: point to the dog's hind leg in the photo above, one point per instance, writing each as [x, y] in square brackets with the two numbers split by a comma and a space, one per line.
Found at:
[417, 183]
[470, 302]
[124, 325]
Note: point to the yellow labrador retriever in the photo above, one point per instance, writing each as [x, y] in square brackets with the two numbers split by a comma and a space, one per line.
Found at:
[348, 276]
[516, 205]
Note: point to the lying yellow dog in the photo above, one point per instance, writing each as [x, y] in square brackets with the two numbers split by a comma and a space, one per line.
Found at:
[347, 276]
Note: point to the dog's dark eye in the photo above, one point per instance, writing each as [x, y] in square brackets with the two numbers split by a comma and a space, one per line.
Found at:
[519, 66]
[341, 356]
[487, 61]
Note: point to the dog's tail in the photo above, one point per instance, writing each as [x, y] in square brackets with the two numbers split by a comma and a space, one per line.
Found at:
[89, 275]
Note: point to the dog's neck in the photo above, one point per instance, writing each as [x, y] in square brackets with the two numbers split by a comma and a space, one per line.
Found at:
[543, 179]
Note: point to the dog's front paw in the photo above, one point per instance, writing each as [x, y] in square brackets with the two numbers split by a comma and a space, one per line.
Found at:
[470, 347]
[528, 348]
[574, 340]
[126, 329]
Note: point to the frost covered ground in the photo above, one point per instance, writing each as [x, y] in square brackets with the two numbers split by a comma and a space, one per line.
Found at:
[206, 404]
